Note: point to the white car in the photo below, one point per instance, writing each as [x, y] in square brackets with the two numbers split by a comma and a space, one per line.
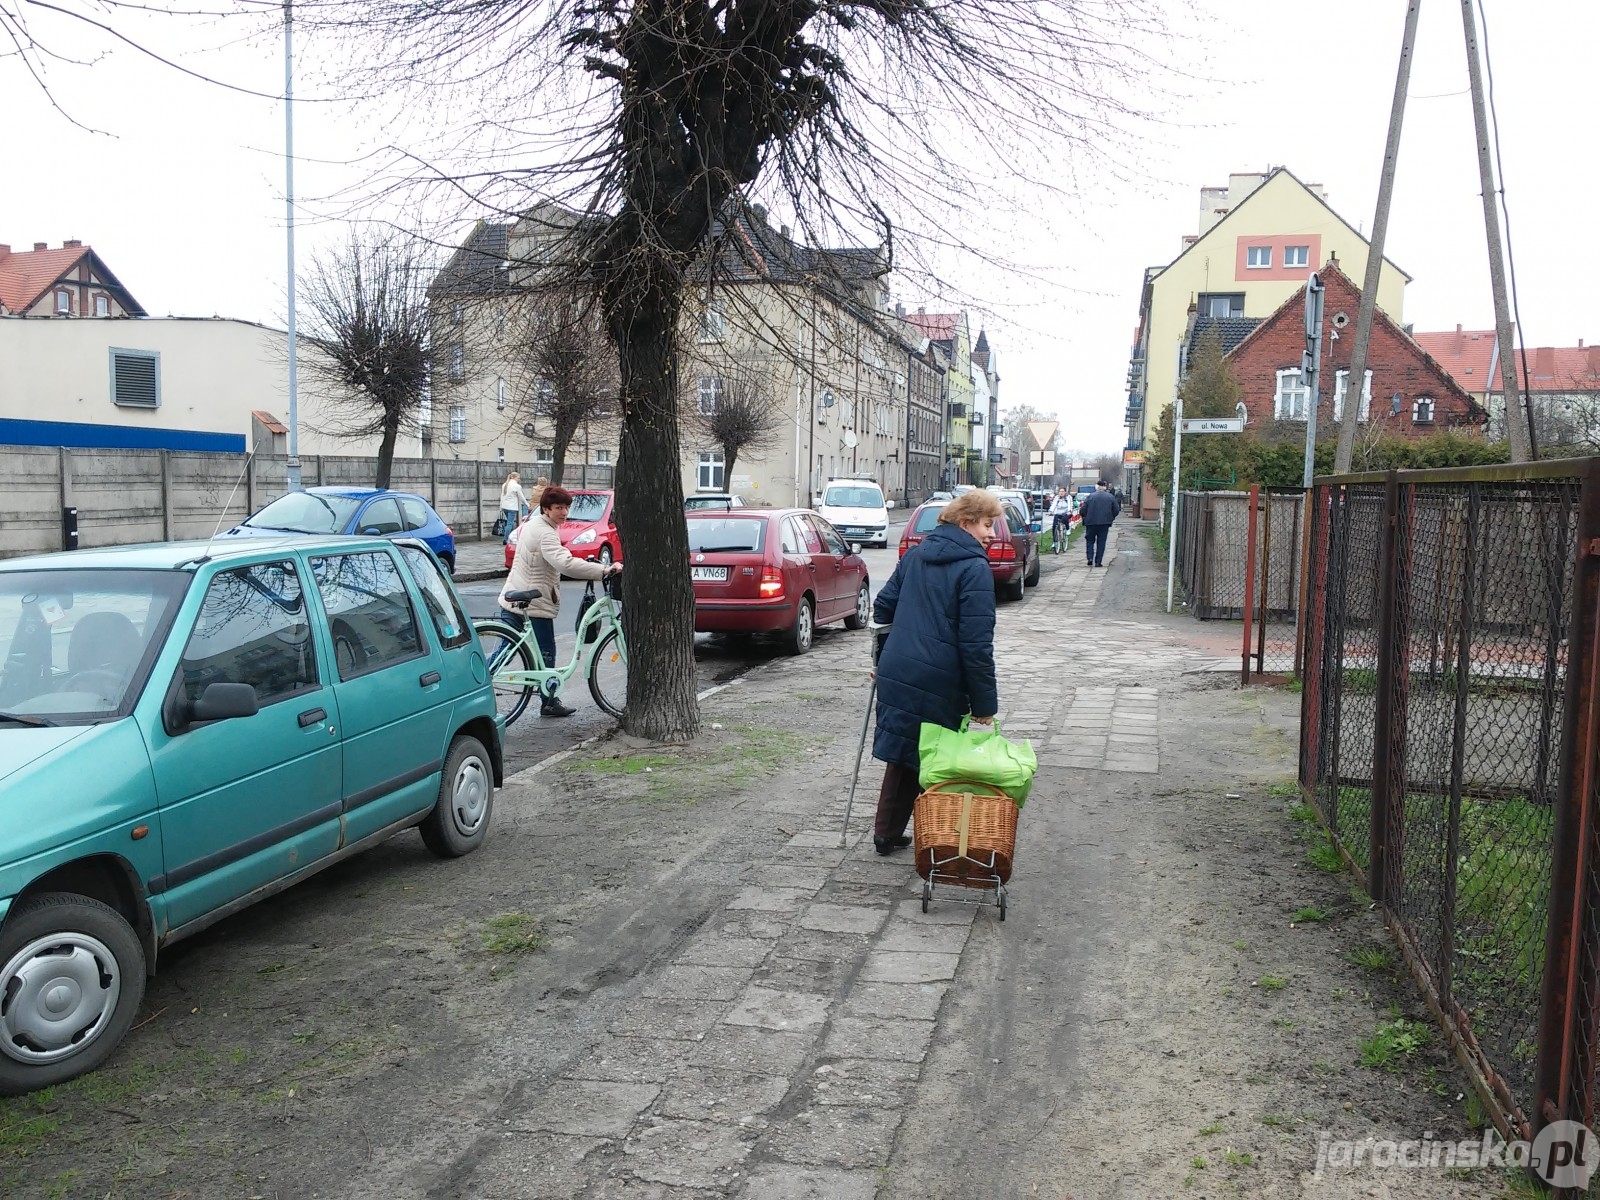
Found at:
[856, 508]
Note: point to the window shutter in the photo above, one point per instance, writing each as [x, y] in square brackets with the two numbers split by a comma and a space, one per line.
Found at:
[135, 379]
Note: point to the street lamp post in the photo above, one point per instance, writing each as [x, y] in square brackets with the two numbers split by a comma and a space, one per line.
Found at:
[288, 173]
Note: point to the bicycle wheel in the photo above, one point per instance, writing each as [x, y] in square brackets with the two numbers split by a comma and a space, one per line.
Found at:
[505, 651]
[608, 675]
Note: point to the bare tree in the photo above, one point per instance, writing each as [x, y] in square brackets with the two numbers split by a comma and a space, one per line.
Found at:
[735, 407]
[365, 317]
[567, 365]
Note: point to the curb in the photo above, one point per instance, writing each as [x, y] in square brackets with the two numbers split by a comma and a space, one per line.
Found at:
[479, 576]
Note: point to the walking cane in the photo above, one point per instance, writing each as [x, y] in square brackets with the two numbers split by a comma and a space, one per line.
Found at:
[879, 633]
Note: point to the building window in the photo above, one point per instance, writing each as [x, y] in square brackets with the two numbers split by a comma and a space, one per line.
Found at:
[1340, 381]
[1422, 411]
[602, 457]
[544, 455]
[136, 378]
[1296, 256]
[708, 477]
[499, 454]
[1221, 304]
[102, 305]
[713, 325]
[458, 422]
[1289, 403]
[458, 363]
[63, 302]
[710, 394]
[1258, 256]
[500, 395]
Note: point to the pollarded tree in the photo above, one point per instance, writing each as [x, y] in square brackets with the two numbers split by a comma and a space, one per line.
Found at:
[364, 317]
[655, 117]
[735, 406]
[565, 365]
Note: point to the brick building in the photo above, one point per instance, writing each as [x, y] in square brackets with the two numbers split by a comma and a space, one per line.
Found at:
[1407, 392]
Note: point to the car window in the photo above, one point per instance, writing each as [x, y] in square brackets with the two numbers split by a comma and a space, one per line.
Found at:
[368, 611]
[810, 543]
[587, 506]
[414, 512]
[726, 534]
[438, 597]
[1014, 518]
[381, 517]
[927, 519]
[830, 537]
[853, 496]
[792, 541]
[307, 512]
[76, 646]
[253, 629]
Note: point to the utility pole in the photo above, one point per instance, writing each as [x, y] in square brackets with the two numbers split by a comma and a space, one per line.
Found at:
[1518, 419]
[1355, 385]
[288, 204]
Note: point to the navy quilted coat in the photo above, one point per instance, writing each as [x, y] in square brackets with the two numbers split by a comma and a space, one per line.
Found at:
[938, 662]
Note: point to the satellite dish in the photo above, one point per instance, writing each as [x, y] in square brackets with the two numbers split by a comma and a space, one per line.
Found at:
[849, 439]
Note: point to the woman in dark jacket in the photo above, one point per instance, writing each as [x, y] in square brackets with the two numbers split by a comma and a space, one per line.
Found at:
[937, 664]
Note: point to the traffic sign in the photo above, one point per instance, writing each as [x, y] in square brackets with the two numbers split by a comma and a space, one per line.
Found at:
[1041, 462]
[1042, 432]
[1213, 424]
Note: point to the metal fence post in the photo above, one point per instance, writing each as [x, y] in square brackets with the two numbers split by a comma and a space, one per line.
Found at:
[1565, 1067]
[1266, 582]
[1388, 742]
[1249, 582]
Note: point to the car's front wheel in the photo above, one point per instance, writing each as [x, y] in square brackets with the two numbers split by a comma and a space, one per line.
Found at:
[605, 555]
[460, 818]
[71, 977]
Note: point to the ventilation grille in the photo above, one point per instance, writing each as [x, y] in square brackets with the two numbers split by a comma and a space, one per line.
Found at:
[135, 379]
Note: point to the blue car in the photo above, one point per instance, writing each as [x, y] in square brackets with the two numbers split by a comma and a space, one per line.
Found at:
[366, 512]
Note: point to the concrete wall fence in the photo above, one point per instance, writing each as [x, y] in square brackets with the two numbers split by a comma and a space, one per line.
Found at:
[129, 496]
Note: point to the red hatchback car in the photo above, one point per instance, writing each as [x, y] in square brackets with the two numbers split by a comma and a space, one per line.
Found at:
[1013, 555]
[774, 570]
[590, 530]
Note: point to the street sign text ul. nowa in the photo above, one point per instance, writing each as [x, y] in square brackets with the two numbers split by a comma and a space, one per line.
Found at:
[1213, 424]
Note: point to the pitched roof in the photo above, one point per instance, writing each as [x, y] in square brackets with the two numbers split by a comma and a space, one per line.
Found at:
[1468, 354]
[939, 327]
[1558, 368]
[26, 275]
[749, 250]
[1232, 330]
[475, 267]
[270, 422]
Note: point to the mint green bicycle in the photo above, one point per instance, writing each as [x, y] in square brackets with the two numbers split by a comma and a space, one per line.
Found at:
[518, 669]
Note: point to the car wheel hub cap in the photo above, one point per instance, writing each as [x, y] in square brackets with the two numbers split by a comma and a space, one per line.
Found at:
[56, 996]
[471, 796]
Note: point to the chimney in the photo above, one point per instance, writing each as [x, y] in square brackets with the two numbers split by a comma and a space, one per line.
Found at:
[784, 229]
[41, 245]
[71, 244]
[4, 249]
[900, 311]
[1458, 326]
[1580, 343]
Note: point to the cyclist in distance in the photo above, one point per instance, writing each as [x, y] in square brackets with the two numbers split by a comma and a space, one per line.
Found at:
[541, 560]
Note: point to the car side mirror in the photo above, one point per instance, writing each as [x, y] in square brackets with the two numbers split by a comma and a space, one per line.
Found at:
[371, 531]
[224, 701]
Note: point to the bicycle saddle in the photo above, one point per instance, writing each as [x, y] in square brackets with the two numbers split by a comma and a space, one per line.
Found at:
[523, 597]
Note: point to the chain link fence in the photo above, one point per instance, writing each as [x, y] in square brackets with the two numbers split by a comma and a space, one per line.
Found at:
[1449, 731]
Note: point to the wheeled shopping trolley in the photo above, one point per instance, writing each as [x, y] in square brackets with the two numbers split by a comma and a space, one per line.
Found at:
[965, 835]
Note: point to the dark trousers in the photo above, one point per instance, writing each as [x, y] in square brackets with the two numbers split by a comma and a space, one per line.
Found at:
[544, 633]
[1094, 542]
[895, 800]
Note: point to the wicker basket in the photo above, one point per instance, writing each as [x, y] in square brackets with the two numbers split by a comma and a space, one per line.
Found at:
[967, 831]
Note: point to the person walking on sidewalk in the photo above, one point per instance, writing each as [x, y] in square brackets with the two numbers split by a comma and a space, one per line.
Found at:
[937, 663]
[540, 562]
[1099, 509]
[512, 501]
[1060, 520]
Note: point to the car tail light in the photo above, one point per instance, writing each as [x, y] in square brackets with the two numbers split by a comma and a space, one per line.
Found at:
[1002, 551]
[450, 531]
[771, 582]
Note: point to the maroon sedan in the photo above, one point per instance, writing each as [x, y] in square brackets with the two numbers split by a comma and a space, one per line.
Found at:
[774, 570]
[1013, 555]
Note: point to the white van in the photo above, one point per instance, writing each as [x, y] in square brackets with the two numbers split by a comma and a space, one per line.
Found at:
[856, 508]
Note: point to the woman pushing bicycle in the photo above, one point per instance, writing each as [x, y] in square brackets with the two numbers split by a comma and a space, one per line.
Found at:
[541, 560]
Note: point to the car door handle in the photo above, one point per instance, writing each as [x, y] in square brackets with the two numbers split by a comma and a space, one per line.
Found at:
[431, 678]
[312, 717]
[811, 566]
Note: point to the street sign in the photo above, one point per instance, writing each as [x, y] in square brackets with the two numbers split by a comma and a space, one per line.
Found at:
[1213, 424]
[1041, 462]
[1042, 432]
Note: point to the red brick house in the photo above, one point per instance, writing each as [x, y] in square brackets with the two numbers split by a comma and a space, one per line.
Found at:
[70, 281]
[1407, 391]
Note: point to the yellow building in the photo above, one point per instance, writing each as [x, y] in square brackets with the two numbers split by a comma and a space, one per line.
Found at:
[1259, 239]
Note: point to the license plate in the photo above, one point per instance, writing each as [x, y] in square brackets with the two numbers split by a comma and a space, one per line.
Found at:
[715, 574]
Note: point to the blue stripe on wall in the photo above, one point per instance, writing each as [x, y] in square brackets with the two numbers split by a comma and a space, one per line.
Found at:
[115, 437]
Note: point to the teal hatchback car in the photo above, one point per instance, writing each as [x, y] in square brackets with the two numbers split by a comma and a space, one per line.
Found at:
[187, 728]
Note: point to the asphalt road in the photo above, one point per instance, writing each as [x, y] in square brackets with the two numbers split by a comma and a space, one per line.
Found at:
[717, 659]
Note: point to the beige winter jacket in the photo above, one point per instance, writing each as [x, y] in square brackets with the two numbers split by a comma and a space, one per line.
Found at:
[540, 562]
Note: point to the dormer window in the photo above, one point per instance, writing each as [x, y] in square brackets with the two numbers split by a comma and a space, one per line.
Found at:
[63, 302]
[102, 305]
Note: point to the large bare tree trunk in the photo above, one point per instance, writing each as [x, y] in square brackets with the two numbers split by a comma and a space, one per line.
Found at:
[391, 431]
[658, 612]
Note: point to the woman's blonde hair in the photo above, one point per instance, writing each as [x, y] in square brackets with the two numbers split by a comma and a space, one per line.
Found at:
[513, 477]
[970, 506]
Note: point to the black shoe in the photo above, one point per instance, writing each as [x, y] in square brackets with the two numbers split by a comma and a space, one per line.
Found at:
[555, 708]
[888, 845]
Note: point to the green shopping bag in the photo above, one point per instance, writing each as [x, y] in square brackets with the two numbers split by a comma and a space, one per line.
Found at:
[976, 752]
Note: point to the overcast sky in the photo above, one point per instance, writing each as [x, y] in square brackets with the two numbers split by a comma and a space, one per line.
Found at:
[182, 193]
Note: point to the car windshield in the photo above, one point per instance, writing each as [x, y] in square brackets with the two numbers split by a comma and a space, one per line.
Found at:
[853, 497]
[727, 535]
[76, 645]
[587, 507]
[307, 512]
[927, 518]
[694, 502]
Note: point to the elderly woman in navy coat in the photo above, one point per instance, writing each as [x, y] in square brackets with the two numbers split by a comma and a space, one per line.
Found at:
[937, 664]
